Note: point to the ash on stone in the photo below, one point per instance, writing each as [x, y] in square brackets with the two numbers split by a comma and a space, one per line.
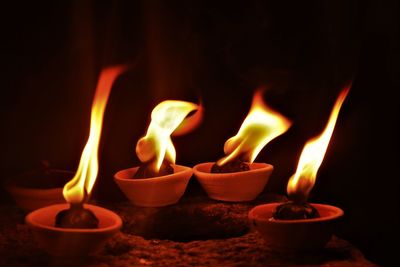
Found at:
[196, 219]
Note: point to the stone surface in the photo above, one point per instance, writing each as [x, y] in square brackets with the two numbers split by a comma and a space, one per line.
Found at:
[196, 232]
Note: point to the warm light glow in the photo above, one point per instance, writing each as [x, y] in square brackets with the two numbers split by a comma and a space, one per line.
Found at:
[76, 190]
[261, 125]
[301, 183]
[166, 117]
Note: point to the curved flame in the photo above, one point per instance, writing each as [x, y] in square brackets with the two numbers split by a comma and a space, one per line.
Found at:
[165, 119]
[301, 183]
[82, 183]
[261, 125]
[189, 123]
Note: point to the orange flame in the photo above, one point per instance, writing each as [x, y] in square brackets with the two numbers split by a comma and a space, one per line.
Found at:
[82, 183]
[301, 183]
[261, 125]
[166, 117]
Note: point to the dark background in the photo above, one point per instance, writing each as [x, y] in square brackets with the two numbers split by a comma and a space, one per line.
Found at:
[304, 52]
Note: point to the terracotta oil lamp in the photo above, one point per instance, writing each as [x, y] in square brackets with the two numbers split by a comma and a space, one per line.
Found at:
[236, 177]
[298, 225]
[76, 229]
[38, 188]
[159, 181]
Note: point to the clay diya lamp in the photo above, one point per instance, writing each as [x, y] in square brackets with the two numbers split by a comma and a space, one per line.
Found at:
[38, 188]
[158, 181]
[156, 191]
[295, 235]
[236, 177]
[72, 242]
[233, 186]
[77, 229]
[298, 225]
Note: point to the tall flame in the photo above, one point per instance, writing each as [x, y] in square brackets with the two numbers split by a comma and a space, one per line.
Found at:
[166, 117]
[261, 125]
[301, 183]
[76, 190]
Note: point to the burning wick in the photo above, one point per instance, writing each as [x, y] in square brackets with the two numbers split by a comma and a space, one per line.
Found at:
[155, 150]
[146, 170]
[77, 217]
[77, 191]
[301, 183]
[235, 165]
[261, 125]
[295, 211]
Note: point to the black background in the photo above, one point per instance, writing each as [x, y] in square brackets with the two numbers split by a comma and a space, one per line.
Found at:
[304, 52]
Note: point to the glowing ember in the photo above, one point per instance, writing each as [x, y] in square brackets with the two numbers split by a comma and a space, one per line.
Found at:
[156, 146]
[79, 188]
[301, 183]
[261, 125]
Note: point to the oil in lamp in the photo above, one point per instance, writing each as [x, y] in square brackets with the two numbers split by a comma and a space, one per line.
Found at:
[298, 225]
[159, 181]
[236, 177]
[76, 228]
